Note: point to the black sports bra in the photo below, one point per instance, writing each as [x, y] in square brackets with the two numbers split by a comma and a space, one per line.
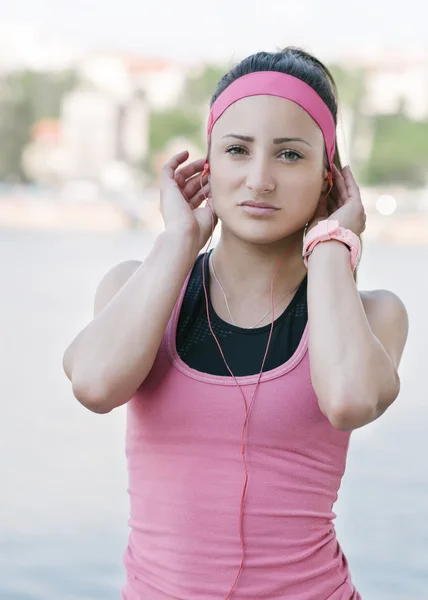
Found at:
[243, 348]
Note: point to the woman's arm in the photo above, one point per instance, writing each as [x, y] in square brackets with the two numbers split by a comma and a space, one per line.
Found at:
[113, 354]
[355, 343]
[110, 358]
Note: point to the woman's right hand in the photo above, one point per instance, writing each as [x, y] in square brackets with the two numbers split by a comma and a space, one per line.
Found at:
[182, 196]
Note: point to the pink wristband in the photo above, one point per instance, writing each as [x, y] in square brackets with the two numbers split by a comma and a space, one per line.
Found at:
[331, 230]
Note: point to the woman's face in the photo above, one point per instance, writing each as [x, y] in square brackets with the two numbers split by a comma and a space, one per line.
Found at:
[268, 151]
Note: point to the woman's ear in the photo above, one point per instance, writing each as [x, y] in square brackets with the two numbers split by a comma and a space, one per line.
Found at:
[327, 185]
[325, 188]
[328, 180]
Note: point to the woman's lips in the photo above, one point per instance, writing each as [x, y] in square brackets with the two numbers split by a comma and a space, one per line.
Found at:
[258, 209]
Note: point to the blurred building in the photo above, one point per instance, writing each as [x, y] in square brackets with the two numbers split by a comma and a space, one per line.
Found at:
[45, 159]
[121, 75]
[104, 123]
[95, 134]
[89, 127]
[397, 83]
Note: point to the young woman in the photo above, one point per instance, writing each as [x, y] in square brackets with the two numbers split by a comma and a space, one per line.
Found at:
[245, 368]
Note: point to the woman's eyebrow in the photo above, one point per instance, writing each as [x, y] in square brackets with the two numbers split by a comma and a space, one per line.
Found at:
[283, 140]
[280, 140]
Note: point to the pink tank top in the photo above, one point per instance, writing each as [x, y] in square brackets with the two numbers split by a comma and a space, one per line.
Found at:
[186, 475]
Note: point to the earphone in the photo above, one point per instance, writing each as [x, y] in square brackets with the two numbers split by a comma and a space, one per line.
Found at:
[206, 169]
[247, 408]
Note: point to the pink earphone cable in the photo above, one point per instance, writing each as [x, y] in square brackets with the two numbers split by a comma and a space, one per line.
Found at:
[247, 409]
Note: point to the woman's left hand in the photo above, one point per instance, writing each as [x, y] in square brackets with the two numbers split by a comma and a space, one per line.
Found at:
[343, 204]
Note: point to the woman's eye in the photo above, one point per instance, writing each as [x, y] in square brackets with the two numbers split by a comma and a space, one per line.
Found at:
[234, 150]
[291, 155]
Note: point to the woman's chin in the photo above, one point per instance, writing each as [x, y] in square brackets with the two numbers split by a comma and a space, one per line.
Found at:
[261, 233]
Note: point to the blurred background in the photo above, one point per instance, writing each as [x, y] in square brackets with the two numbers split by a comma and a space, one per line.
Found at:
[94, 98]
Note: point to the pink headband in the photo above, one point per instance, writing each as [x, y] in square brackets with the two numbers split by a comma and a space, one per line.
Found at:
[274, 83]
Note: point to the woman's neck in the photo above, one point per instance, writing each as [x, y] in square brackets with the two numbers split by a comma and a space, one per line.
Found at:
[240, 286]
[246, 269]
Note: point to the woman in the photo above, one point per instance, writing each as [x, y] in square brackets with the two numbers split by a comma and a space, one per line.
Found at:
[245, 368]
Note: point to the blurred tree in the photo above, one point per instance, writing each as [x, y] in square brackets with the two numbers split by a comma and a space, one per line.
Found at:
[201, 86]
[168, 124]
[16, 118]
[25, 98]
[351, 87]
[399, 153]
[47, 90]
[186, 120]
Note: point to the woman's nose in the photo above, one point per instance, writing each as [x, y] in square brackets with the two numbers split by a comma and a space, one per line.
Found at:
[259, 178]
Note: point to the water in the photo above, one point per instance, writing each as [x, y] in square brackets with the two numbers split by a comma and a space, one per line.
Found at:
[64, 505]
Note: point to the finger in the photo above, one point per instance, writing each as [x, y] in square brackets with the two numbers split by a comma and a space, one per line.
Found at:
[207, 218]
[194, 184]
[336, 197]
[188, 171]
[331, 206]
[170, 167]
[321, 209]
[352, 188]
[200, 196]
[339, 185]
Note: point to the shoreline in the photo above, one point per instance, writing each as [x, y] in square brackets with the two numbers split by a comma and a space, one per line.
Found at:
[97, 217]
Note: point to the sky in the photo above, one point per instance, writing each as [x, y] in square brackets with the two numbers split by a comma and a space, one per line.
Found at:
[194, 30]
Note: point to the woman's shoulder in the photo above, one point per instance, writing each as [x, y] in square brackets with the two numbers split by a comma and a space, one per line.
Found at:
[380, 301]
[113, 281]
[118, 275]
[388, 320]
